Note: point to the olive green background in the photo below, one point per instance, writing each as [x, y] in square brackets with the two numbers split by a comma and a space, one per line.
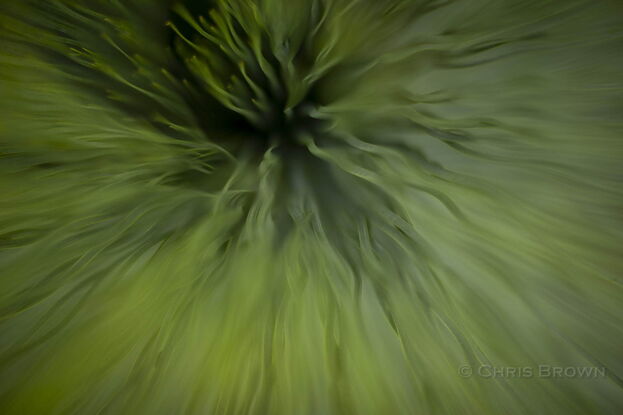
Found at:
[327, 207]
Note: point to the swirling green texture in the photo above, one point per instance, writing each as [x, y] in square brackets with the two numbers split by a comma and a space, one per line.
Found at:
[327, 207]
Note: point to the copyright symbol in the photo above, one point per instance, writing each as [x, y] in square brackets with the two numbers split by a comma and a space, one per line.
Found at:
[465, 371]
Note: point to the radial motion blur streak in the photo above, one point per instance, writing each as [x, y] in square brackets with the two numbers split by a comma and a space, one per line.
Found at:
[311, 207]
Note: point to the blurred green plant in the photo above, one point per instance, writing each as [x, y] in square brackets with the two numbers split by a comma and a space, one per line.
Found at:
[310, 207]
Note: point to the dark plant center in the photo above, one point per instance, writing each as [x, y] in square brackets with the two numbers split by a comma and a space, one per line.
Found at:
[241, 82]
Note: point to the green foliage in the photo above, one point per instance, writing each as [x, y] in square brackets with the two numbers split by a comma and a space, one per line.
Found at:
[290, 207]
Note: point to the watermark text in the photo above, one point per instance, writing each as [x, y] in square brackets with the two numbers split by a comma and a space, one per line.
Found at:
[531, 372]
